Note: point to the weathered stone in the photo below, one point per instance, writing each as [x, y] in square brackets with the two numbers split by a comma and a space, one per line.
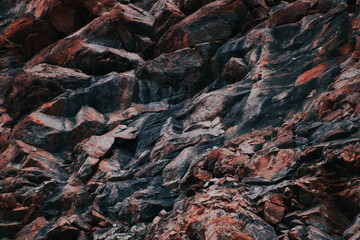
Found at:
[291, 13]
[222, 20]
[193, 119]
[176, 75]
[274, 209]
[166, 14]
[39, 84]
[88, 153]
[22, 39]
[235, 70]
[90, 58]
[32, 230]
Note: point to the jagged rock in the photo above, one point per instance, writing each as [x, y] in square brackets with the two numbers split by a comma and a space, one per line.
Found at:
[174, 75]
[144, 205]
[274, 209]
[113, 92]
[50, 132]
[205, 216]
[353, 230]
[191, 6]
[39, 84]
[186, 119]
[90, 58]
[177, 169]
[32, 230]
[88, 153]
[222, 19]
[22, 39]
[65, 18]
[291, 13]
[166, 14]
[235, 70]
[33, 164]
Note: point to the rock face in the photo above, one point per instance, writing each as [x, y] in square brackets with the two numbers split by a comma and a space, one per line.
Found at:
[180, 119]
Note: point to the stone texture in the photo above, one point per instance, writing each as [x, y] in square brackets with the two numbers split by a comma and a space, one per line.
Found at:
[222, 19]
[179, 119]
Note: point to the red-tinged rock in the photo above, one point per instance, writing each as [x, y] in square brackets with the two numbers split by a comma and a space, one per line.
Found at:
[63, 232]
[191, 6]
[143, 4]
[31, 33]
[196, 179]
[8, 201]
[38, 84]
[143, 44]
[139, 21]
[235, 70]
[99, 60]
[72, 196]
[31, 230]
[272, 3]
[112, 93]
[88, 153]
[289, 14]
[330, 103]
[356, 54]
[65, 15]
[53, 132]
[176, 169]
[62, 17]
[298, 232]
[171, 134]
[253, 141]
[96, 7]
[87, 120]
[270, 164]
[90, 58]
[5, 119]
[316, 233]
[222, 19]
[311, 74]
[207, 215]
[273, 213]
[274, 209]
[285, 137]
[88, 44]
[40, 165]
[14, 155]
[355, 236]
[174, 142]
[225, 161]
[22, 39]
[312, 153]
[352, 232]
[334, 131]
[4, 138]
[114, 28]
[350, 153]
[166, 14]
[321, 6]
[50, 132]
[18, 214]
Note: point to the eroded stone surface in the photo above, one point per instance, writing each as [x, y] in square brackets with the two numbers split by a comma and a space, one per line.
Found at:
[179, 119]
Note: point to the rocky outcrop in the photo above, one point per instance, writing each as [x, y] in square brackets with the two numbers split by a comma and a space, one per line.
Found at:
[179, 119]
